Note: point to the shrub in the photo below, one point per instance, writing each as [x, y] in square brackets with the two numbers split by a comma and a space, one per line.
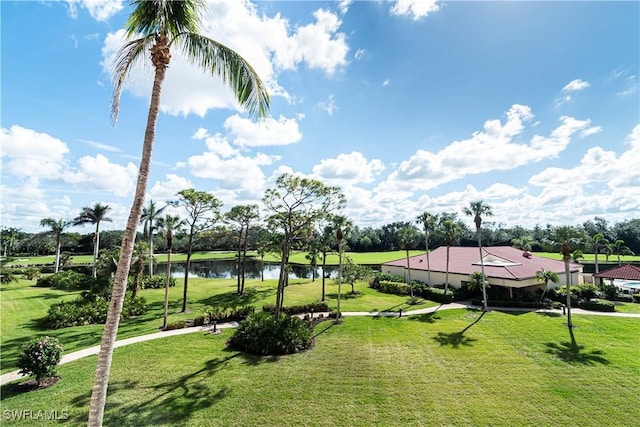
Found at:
[40, 358]
[624, 298]
[198, 321]
[317, 307]
[384, 277]
[437, 295]
[636, 298]
[517, 304]
[263, 333]
[134, 307]
[156, 281]
[610, 292]
[587, 291]
[176, 324]
[229, 315]
[396, 288]
[597, 306]
[76, 313]
[31, 273]
[66, 280]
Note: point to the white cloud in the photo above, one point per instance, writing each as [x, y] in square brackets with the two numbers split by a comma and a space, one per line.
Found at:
[489, 150]
[100, 10]
[101, 146]
[416, 9]
[329, 105]
[247, 133]
[576, 85]
[269, 44]
[167, 189]
[31, 153]
[348, 169]
[386, 82]
[343, 6]
[360, 53]
[98, 173]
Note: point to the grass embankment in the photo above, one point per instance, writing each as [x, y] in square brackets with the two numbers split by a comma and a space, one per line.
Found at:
[366, 258]
[448, 368]
[23, 305]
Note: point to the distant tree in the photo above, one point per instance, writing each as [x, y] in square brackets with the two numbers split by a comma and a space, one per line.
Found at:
[477, 210]
[169, 225]
[619, 248]
[56, 230]
[203, 210]
[242, 216]
[524, 242]
[546, 276]
[629, 231]
[9, 236]
[598, 242]
[149, 214]
[296, 204]
[94, 215]
[140, 256]
[353, 273]
[577, 255]
[429, 222]
[450, 229]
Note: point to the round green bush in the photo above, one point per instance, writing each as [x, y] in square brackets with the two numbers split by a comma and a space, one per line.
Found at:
[40, 358]
[265, 334]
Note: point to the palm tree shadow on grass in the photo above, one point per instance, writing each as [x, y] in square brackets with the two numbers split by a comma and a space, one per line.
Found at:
[457, 339]
[230, 299]
[572, 352]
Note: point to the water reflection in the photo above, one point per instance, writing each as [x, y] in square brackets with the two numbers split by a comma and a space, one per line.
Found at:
[226, 269]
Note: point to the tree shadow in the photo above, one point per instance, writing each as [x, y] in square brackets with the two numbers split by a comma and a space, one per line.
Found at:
[574, 353]
[549, 313]
[230, 299]
[346, 295]
[457, 339]
[324, 329]
[426, 318]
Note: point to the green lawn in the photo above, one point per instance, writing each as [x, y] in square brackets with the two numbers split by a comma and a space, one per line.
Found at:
[450, 368]
[22, 305]
[591, 258]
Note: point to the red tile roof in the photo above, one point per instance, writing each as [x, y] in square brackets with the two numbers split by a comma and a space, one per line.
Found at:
[466, 260]
[624, 271]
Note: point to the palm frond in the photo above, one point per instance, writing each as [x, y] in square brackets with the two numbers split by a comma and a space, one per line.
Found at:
[127, 56]
[151, 17]
[232, 68]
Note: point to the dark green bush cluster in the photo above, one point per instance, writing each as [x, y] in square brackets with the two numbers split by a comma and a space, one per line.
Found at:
[624, 297]
[40, 357]
[396, 288]
[156, 281]
[433, 294]
[514, 303]
[176, 324]
[84, 311]
[31, 273]
[317, 307]
[385, 277]
[67, 280]
[231, 314]
[610, 292]
[582, 292]
[263, 333]
[597, 306]
[636, 298]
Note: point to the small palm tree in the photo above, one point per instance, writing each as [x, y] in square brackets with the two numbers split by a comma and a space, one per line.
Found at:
[450, 229]
[57, 228]
[478, 209]
[599, 242]
[429, 222]
[546, 276]
[94, 215]
[168, 226]
[140, 256]
[406, 238]
[476, 281]
[149, 214]
[157, 26]
[619, 248]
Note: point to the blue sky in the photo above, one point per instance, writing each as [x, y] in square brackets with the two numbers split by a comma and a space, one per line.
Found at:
[412, 105]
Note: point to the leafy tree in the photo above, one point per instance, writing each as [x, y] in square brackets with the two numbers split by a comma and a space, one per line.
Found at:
[477, 210]
[94, 215]
[203, 210]
[598, 242]
[476, 281]
[156, 26]
[629, 231]
[9, 236]
[242, 216]
[352, 272]
[296, 204]
[524, 242]
[149, 214]
[57, 229]
[169, 225]
[407, 237]
[429, 222]
[546, 276]
[40, 358]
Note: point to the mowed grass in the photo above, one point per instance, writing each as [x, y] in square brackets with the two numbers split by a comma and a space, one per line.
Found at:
[23, 305]
[454, 367]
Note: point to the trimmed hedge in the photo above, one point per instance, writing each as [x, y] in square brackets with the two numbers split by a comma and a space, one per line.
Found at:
[419, 289]
[263, 333]
[67, 280]
[597, 306]
[513, 304]
[434, 294]
[318, 307]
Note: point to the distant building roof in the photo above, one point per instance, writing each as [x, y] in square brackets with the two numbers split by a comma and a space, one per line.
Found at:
[504, 262]
[624, 271]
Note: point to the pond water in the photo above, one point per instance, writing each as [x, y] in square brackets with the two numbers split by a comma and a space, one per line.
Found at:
[226, 269]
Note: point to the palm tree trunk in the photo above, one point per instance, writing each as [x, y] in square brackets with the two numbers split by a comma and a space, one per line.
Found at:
[566, 256]
[96, 246]
[58, 246]
[446, 276]
[166, 290]
[596, 254]
[484, 287]
[324, 266]
[409, 275]
[186, 272]
[339, 276]
[281, 277]
[426, 240]
[150, 248]
[101, 379]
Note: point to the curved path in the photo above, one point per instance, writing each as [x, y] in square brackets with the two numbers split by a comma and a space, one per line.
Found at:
[92, 351]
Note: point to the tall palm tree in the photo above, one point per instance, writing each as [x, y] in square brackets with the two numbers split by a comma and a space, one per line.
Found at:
[546, 276]
[140, 256]
[406, 238]
[57, 228]
[450, 228]
[565, 236]
[168, 226]
[9, 236]
[149, 214]
[477, 210]
[598, 241]
[429, 222]
[94, 215]
[156, 26]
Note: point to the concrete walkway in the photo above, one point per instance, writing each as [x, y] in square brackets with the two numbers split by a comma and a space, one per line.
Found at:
[92, 351]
